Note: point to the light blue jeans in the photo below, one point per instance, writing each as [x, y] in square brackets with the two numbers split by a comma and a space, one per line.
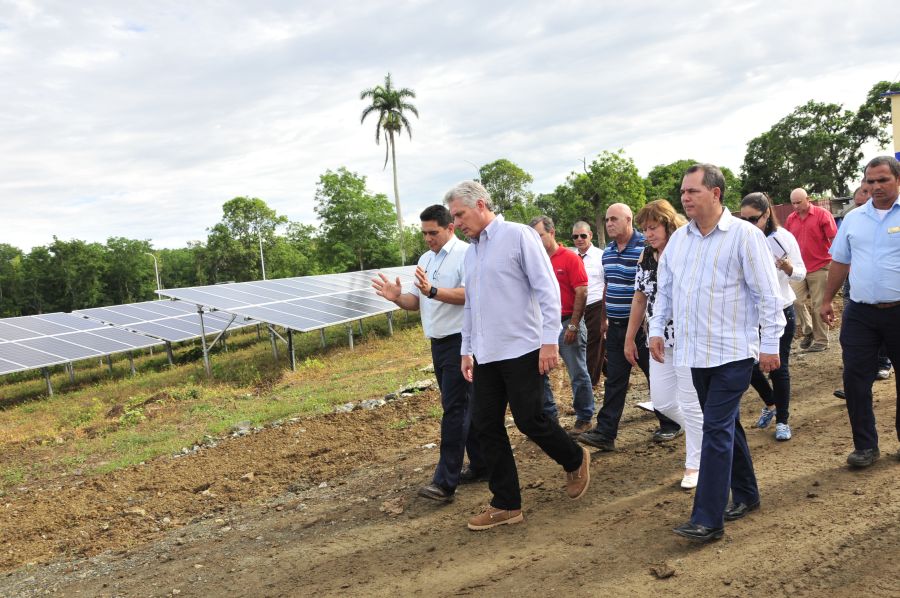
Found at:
[575, 358]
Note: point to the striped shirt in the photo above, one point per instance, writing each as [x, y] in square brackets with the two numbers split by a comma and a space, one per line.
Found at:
[619, 272]
[722, 292]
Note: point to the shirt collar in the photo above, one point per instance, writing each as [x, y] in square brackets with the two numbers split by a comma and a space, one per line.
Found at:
[489, 230]
[870, 208]
[726, 221]
[448, 246]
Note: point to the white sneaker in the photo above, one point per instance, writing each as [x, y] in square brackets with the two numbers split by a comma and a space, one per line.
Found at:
[883, 373]
[689, 481]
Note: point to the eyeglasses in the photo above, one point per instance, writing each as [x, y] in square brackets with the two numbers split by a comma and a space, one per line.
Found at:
[575, 237]
[753, 219]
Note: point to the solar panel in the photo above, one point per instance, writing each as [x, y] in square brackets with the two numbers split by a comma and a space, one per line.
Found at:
[172, 321]
[303, 303]
[31, 342]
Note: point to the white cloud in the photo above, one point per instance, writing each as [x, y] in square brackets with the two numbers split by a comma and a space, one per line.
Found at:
[140, 120]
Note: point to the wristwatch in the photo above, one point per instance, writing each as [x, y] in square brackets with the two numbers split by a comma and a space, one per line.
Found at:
[572, 328]
[433, 292]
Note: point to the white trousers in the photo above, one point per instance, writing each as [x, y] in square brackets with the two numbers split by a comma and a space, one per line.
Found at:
[673, 394]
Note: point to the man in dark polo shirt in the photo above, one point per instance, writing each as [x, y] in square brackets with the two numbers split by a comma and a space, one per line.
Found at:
[619, 270]
[573, 284]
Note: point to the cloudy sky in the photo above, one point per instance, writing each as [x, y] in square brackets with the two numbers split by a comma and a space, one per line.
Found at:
[139, 119]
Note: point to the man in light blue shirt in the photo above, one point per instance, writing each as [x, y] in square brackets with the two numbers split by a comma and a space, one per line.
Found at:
[869, 241]
[439, 294]
[511, 325]
[717, 283]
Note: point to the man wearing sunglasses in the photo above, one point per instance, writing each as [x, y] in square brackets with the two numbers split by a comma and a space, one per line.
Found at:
[440, 295]
[592, 257]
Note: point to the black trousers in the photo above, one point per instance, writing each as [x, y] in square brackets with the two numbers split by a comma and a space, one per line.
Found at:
[456, 401]
[515, 382]
[778, 393]
[618, 374]
[863, 330]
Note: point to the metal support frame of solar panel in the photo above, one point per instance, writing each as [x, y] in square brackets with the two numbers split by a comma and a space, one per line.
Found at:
[34, 342]
[171, 321]
[303, 304]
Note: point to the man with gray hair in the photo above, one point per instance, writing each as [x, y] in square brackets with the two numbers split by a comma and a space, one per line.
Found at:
[511, 324]
[573, 282]
[592, 257]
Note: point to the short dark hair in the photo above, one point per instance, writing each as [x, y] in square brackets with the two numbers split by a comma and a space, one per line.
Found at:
[438, 213]
[712, 177]
[889, 161]
[761, 202]
[547, 221]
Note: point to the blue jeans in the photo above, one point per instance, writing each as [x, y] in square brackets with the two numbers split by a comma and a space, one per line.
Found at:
[575, 358]
[778, 393]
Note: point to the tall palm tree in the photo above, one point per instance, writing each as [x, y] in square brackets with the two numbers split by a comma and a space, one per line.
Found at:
[390, 104]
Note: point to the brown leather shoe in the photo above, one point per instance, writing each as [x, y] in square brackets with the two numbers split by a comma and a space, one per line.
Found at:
[579, 428]
[492, 517]
[577, 481]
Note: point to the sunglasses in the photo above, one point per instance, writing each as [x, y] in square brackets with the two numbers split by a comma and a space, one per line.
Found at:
[753, 219]
[579, 236]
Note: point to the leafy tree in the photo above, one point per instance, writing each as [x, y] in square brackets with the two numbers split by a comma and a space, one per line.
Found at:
[664, 182]
[506, 183]
[391, 105]
[357, 227]
[64, 276]
[818, 147]
[11, 281]
[413, 241]
[129, 274]
[233, 245]
[182, 267]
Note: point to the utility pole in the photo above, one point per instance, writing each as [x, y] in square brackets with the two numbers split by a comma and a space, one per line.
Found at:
[155, 270]
[262, 259]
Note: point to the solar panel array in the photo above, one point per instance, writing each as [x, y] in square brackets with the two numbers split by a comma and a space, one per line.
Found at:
[32, 342]
[302, 304]
[171, 321]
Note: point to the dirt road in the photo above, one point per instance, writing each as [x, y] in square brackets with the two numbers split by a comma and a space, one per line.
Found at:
[328, 506]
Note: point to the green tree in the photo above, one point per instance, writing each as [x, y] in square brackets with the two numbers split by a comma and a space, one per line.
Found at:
[182, 267]
[357, 226]
[391, 105]
[506, 183]
[129, 274]
[817, 146]
[664, 182]
[233, 245]
[613, 178]
[11, 281]
[64, 276]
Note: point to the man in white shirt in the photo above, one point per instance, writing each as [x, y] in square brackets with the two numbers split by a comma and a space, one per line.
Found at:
[592, 256]
[440, 295]
[717, 282]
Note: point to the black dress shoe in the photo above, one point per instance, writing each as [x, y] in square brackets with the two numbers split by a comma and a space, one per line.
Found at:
[597, 440]
[863, 457]
[736, 511]
[699, 533]
[839, 393]
[472, 476]
[435, 492]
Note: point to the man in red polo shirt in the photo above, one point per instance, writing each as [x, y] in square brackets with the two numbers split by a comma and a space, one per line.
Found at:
[573, 284]
[814, 229]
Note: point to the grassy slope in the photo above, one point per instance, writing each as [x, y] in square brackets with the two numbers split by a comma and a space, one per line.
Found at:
[105, 422]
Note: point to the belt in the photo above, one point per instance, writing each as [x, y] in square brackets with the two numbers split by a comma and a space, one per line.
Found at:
[886, 305]
[446, 339]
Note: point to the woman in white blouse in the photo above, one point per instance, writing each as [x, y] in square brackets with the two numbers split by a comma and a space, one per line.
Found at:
[756, 208]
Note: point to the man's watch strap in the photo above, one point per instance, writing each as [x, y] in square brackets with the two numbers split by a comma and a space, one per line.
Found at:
[433, 292]
[572, 328]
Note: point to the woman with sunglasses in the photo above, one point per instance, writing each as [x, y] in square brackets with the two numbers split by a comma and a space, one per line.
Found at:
[672, 389]
[756, 208]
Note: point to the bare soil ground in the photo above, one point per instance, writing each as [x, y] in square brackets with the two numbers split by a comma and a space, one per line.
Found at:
[327, 506]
